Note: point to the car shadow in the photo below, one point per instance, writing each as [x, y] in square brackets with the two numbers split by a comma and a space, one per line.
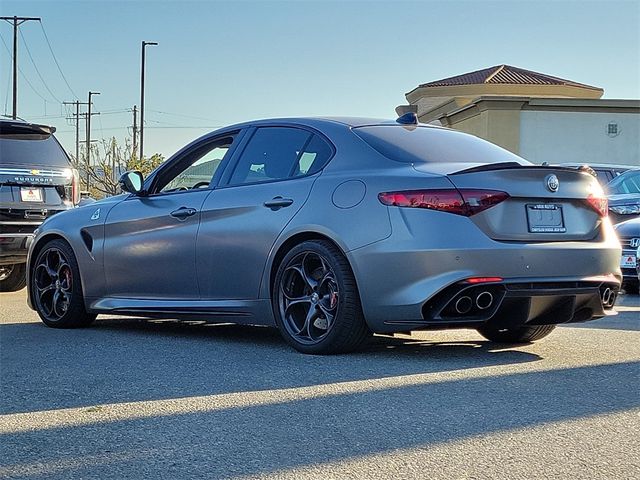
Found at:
[253, 439]
[131, 359]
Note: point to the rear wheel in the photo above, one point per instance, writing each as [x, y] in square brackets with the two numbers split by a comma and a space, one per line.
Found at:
[630, 287]
[522, 334]
[316, 302]
[12, 277]
[57, 292]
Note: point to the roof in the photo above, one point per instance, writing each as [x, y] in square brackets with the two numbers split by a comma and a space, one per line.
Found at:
[505, 74]
[318, 121]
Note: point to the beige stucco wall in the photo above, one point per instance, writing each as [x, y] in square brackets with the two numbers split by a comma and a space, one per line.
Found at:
[503, 128]
[500, 89]
[498, 122]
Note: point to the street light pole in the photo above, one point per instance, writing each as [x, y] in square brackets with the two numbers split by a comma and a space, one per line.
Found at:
[144, 45]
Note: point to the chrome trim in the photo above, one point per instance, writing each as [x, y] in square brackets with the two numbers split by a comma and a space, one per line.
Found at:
[29, 172]
[16, 235]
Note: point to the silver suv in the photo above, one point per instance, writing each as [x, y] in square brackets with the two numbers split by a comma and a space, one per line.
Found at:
[37, 180]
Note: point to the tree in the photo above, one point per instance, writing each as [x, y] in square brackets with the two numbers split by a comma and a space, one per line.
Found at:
[110, 161]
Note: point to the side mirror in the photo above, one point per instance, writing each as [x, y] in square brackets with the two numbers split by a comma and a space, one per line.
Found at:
[131, 182]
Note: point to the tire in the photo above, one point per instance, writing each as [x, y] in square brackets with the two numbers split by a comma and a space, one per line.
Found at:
[323, 319]
[56, 287]
[524, 334]
[13, 277]
[630, 287]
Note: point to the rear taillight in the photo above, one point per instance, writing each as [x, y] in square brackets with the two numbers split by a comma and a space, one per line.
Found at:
[599, 203]
[465, 202]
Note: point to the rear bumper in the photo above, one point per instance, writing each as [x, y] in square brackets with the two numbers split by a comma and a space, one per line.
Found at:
[14, 248]
[511, 304]
[398, 276]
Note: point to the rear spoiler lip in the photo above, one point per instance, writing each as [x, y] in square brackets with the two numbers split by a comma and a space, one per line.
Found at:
[489, 167]
[9, 128]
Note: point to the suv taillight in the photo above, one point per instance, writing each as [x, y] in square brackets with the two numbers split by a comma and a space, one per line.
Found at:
[465, 202]
[75, 186]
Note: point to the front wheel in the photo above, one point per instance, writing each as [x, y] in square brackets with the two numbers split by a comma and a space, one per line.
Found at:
[524, 334]
[12, 277]
[316, 302]
[56, 288]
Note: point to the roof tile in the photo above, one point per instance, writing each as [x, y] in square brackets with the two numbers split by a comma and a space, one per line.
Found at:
[504, 74]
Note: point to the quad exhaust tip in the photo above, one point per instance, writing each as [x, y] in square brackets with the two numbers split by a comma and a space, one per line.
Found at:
[464, 305]
[607, 296]
[484, 300]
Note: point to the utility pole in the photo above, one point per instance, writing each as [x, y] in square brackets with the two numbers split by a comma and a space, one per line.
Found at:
[144, 45]
[16, 21]
[88, 139]
[135, 129]
[114, 165]
[76, 117]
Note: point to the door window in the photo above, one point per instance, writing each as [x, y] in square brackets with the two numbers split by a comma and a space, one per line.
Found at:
[197, 168]
[273, 153]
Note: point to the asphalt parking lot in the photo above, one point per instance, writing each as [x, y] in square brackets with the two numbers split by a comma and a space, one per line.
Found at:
[132, 398]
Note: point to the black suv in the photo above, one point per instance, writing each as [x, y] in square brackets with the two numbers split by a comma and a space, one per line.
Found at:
[37, 180]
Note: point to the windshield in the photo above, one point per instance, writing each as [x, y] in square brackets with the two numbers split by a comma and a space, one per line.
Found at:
[429, 145]
[32, 149]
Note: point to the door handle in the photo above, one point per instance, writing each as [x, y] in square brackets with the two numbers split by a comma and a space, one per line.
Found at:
[278, 202]
[183, 212]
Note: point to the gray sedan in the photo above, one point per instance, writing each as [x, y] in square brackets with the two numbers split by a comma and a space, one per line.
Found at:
[333, 228]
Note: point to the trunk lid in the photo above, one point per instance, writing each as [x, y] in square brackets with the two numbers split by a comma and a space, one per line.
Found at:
[535, 210]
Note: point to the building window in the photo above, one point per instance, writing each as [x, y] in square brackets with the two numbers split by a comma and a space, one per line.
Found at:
[612, 129]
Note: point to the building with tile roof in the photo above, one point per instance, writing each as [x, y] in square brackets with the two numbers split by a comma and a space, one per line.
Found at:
[539, 116]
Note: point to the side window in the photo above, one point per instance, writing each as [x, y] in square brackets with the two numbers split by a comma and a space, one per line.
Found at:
[197, 169]
[314, 156]
[273, 153]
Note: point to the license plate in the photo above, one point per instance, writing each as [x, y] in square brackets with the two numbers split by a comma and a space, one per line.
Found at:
[31, 194]
[545, 218]
[628, 261]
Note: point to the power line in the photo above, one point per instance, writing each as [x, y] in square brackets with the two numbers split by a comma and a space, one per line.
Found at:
[56, 60]
[180, 115]
[16, 22]
[126, 128]
[36, 67]
[43, 117]
[6, 97]
[24, 77]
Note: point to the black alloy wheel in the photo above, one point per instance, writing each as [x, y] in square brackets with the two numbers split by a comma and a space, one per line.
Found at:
[56, 288]
[316, 302]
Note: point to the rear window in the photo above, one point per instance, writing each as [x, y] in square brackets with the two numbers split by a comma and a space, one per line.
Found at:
[433, 145]
[32, 149]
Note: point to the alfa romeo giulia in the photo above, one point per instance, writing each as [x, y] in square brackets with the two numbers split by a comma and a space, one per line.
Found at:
[333, 228]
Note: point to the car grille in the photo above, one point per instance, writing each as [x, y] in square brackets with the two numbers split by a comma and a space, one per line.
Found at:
[625, 242]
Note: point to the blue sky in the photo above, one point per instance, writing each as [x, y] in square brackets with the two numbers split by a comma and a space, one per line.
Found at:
[224, 62]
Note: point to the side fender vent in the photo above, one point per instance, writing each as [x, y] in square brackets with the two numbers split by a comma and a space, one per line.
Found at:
[87, 239]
